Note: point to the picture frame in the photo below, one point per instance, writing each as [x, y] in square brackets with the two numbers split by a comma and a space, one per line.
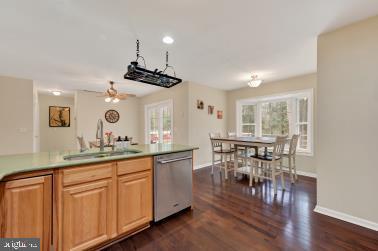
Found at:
[59, 116]
[200, 104]
[210, 109]
[219, 114]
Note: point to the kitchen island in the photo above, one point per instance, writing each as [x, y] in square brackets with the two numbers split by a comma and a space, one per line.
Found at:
[73, 201]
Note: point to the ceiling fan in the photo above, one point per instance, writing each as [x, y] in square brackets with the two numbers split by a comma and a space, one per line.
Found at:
[112, 95]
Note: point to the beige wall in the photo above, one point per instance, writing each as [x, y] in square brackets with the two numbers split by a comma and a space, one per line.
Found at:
[201, 123]
[304, 163]
[191, 126]
[16, 112]
[179, 95]
[90, 108]
[55, 138]
[347, 120]
[36, 147]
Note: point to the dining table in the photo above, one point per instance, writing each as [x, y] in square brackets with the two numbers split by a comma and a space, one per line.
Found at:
[246, 141]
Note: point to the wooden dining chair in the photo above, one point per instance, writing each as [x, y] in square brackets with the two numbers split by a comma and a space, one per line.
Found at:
[242, 153]
[269, 166]
[290, 155]
[83, 146]
[222, 151]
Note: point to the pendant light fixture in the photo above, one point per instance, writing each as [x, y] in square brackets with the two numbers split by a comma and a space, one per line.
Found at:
[255, 81]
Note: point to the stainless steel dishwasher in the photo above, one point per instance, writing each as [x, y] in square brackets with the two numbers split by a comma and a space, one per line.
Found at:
[172, 183]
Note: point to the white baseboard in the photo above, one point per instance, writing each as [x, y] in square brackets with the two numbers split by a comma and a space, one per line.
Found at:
[308, 174]
[204, 165]
[347, 218]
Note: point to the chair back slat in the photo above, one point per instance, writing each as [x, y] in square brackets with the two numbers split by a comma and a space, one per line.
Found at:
[293, 144]
[214, 144]
[279, 146]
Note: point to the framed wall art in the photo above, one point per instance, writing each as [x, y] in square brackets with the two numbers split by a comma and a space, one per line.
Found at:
[210, 109]
[200, 104]
[59, 116]
[220, 114]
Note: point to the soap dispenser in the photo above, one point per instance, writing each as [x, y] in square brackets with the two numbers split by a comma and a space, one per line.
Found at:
[126, 142]
[119, 143]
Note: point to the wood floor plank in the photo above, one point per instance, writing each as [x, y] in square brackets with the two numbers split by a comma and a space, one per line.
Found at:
[230, 215]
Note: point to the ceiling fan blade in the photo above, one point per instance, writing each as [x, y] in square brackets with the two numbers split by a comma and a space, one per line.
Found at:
[103, 95]
[125, 95]
[91, 91]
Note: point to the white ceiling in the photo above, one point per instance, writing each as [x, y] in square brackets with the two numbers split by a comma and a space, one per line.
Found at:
[72, 44]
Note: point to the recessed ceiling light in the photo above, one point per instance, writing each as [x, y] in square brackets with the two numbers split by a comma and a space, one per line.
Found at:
[168, 40]
[56, 93]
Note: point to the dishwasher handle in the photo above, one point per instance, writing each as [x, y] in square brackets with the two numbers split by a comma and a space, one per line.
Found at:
[174, 160]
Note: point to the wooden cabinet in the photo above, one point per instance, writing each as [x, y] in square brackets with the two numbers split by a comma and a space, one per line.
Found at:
[78, 208]
[134, 201]
[87, 206]
[26, 209]
[103, 201]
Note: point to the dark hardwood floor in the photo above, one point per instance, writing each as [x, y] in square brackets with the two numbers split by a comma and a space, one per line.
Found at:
[229, 215]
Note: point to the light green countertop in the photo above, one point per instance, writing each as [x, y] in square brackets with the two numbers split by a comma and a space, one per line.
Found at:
[12, 164]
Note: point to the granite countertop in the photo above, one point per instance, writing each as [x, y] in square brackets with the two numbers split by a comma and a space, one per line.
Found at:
[12, 164]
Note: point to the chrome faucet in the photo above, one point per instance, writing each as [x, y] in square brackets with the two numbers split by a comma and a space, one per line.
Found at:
[100, 134]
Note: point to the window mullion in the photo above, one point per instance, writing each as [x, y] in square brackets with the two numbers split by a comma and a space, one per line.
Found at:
[258, 120]
[293, 119]
[161, 119]
[149, 118]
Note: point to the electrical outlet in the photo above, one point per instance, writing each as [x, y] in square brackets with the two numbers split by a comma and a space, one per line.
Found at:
[23, 130]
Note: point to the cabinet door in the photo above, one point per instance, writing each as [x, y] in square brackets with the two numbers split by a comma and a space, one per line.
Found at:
[134, 201]
[87, 214]
[27, 209]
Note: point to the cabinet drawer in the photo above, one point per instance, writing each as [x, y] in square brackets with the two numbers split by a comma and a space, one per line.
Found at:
[134, 165]
[78, 175]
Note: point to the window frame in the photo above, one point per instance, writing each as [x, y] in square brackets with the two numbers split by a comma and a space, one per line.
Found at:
[292, 100]
[147, 123]
[241, 120]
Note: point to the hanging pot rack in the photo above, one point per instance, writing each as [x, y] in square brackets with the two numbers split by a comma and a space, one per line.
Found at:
[140, 73]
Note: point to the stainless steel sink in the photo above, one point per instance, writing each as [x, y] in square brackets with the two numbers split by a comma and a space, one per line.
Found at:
[97, 155]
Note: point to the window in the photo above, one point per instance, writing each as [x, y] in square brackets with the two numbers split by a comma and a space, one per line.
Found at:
[159, 122]
[283, 114]
[302, 124]
[274, 119]
[248, 126]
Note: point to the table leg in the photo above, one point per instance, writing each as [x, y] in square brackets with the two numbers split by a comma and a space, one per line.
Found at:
[256, 150]
[236, 164]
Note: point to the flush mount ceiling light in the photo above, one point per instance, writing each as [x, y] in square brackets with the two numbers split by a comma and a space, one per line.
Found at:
[255, 81]
[56, 93]
[168, 40]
